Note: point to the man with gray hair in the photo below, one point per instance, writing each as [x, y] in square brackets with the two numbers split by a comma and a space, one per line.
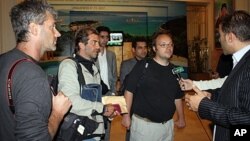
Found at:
[28, 109]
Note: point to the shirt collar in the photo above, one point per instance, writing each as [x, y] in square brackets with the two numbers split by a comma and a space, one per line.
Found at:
[239, 54]
[102, 55]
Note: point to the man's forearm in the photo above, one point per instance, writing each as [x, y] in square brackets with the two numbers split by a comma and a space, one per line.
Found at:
[54, 122]
[179, 109]
[129, 98]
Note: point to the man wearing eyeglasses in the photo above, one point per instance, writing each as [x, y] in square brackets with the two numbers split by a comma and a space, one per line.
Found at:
[155, 94]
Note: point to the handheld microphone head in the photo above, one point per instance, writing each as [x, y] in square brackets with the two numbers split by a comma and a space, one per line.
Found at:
[177, 71]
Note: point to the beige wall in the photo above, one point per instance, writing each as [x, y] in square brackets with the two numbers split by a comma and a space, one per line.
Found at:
[242, 5]
[7, 38]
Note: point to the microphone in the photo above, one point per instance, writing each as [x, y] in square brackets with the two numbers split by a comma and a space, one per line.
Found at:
[176, 71]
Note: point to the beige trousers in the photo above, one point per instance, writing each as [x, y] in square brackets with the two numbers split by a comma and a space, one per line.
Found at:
[144, 130]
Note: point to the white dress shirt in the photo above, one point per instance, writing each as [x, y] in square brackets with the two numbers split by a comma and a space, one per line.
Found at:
[102, 59]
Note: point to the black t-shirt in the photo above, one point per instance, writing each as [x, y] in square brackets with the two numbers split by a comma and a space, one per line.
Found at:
[158, 88]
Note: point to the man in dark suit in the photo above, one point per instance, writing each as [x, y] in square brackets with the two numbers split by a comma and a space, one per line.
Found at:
[140, 50]
[231, 105]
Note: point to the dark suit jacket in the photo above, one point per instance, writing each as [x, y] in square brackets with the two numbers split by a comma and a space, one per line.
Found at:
[126, 67]
[231, 104]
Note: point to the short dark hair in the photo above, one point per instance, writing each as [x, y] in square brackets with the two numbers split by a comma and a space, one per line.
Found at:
[73, 24]
[103, 28]
[238, 23]
[138, 39]
[82, 35]
[27, 12]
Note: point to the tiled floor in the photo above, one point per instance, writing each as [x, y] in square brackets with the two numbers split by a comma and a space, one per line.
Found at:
[195, 130]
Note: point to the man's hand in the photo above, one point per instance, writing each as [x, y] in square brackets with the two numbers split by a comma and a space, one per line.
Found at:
[61, 104]
[186, 84]
[180, 123]
[193, 101]
[109, 111]
[126, 121]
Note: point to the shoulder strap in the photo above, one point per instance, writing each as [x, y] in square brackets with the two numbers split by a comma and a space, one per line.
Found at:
[147, 60]
[79, 71]
[9, 89]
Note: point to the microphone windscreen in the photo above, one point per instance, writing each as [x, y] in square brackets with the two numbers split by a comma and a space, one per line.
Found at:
[177, 70]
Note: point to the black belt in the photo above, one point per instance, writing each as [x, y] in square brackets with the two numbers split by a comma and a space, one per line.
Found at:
[148, 120]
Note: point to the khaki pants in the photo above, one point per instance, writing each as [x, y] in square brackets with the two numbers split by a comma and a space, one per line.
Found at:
[145, 130]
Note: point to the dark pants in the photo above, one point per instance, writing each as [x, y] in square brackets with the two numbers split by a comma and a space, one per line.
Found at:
[107, 131]
[127, 135]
